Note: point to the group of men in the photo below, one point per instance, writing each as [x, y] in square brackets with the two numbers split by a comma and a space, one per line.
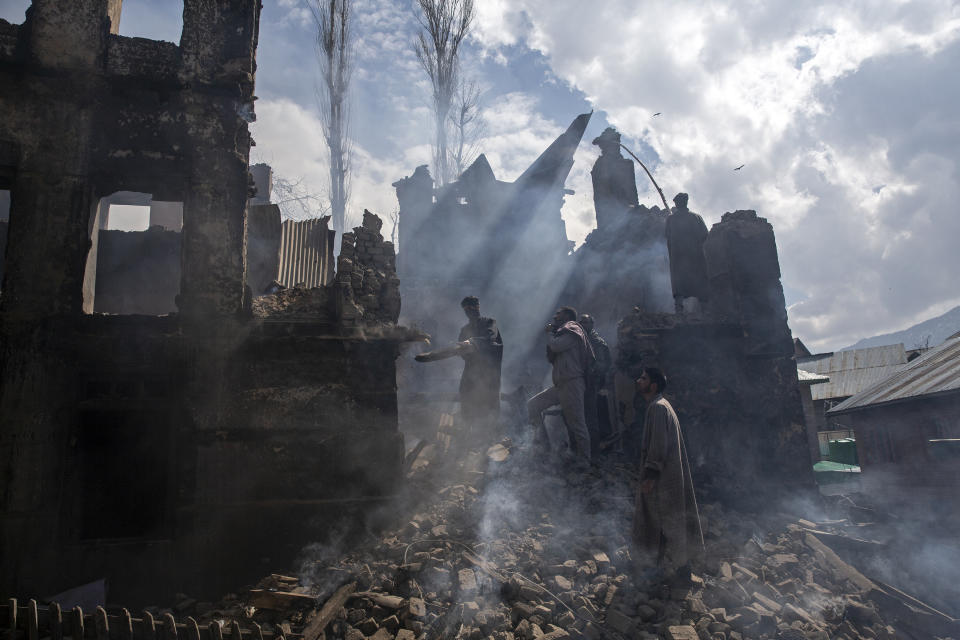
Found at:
[666, 526]
[580, 359]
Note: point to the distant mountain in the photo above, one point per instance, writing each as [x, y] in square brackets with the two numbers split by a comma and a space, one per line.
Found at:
[937, 329]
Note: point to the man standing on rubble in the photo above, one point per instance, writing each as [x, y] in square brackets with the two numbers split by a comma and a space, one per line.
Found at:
[570, 354]
[596, 395]
[482, 351]
[666, 523]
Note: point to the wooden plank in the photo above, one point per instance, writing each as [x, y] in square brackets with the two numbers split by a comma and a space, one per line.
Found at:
[148, 628]
[839, 567]
[328, 612]
[56, 621]
[169, 627]
[193, 629]
[12, 620]
[33, 620]
[408, 464]
[101, 624]
[76, 623]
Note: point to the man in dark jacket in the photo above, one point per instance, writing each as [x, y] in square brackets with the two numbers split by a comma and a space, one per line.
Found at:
[482, 351]
[596, 394]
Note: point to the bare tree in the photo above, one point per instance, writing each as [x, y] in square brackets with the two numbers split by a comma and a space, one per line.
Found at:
[334, 53]
[296, 200]
[468, 126]
[394, 219]
[445, 23]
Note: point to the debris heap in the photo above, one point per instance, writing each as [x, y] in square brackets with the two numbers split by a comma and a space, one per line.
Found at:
[513, 548]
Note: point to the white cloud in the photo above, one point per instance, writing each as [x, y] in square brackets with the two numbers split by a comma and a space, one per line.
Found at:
[289, 139]
[766, 85]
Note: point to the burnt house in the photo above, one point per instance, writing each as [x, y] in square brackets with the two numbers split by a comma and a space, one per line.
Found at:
[907, 428]
[850, 372]
[207, 443]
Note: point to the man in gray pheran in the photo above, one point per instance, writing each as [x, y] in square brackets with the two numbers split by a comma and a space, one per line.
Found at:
[570, 354]
[666, 524]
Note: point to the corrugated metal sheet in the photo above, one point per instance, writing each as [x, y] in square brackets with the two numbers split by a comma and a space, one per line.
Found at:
[805, 377]
[853, 371]
[936, 371]
[306, 253]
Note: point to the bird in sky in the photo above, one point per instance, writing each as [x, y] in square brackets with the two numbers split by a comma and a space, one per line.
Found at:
[656, 114]
[740, 167]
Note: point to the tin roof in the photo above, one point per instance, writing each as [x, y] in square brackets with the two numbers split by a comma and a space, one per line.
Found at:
[935, 372]
[853, 371]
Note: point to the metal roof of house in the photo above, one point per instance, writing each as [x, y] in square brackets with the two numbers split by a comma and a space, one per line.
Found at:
[853, 371]
[805, 377]
[935, 372]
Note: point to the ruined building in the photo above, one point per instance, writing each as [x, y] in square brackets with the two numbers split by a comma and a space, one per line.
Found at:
[208, 442]
[722, 353]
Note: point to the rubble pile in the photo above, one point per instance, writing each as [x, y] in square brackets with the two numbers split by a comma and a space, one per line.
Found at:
[514, 548]
[366, 275]
[295, 302]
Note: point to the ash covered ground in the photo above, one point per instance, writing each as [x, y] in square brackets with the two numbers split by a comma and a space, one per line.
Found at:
[500, 542]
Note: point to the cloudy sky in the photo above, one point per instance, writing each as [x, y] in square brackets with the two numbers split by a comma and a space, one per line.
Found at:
[846, 116]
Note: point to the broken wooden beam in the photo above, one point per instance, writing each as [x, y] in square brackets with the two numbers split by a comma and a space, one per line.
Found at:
[328, 612]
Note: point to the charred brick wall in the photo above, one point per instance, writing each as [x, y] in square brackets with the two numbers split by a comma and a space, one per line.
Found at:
[174, 451]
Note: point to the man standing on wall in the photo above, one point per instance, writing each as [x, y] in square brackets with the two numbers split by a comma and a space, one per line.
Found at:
[570, 354]
[666, 523]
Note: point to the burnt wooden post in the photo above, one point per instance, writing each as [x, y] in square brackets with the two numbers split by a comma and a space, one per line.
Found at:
[169, 627]
[33, 621]
[56, 621]
[76, 623]
[216, 631]
[12, 605]
[101, 623]
[235, 632]
[126, 623]
[148, 629]
[256, 632]
[193, 630]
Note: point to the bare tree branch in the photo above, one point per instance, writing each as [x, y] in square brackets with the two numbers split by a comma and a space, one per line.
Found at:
[444, 24]
[468, 127]
[296, 200]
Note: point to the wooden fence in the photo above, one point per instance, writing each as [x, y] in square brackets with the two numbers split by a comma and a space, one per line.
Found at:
[34, 622]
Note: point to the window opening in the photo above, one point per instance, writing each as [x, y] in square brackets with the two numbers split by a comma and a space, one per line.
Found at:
[153, 20]
[14, 11]
[133, 266]
[123, 474]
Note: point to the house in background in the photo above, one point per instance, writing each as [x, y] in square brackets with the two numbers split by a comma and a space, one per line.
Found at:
[849, 373]
[810, 417]
[907, 428]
